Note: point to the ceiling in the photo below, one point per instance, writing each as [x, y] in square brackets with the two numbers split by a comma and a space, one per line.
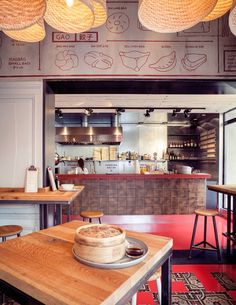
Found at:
[213, 96]
[213, 103]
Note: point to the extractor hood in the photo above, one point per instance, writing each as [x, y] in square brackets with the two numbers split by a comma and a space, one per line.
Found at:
[89, 135]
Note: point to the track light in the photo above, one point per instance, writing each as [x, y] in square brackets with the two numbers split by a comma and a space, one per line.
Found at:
[175, 112]
[88, 111]
[59, 113]
[120, 110]
[147, 113]
[187, 113]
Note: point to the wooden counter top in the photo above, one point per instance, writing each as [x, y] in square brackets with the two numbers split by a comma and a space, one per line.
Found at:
[41, 264]
[228, 189]
[133, 176]
[43, 195]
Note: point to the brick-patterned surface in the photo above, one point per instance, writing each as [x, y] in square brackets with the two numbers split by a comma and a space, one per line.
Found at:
[140, 197]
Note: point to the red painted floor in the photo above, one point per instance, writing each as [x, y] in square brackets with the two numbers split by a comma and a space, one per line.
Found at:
[179, 227]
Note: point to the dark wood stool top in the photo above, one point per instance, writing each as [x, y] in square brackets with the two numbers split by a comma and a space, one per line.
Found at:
[9, 230]
[206, 212]
[91, 214]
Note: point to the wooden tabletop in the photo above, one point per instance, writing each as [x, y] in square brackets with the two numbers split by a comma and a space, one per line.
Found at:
[43, 195]
[228, 189]
[42, 265]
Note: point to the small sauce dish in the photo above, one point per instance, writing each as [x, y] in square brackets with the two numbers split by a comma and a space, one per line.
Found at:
[134, 251]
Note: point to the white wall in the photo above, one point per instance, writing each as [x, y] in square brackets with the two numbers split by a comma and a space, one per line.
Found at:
[21, 126]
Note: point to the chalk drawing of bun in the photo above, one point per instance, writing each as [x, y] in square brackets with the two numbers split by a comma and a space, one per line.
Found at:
[134, 60]
[66, 60]
[98, 60]
[193, 61]
[165, 63]
[117, 23]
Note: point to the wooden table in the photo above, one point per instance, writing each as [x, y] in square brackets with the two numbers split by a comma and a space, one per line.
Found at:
[41, 265]
[230, 191]
[50, 202]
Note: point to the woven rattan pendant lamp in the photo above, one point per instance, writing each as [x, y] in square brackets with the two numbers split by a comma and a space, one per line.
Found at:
[19, 14]
[76, 18]
[100, 12]
[232, 20]
[222, 7]
[169, 16]
[33, 33]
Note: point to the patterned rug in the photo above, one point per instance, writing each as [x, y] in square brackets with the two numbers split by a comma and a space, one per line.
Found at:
[192, 291]
[195, 293]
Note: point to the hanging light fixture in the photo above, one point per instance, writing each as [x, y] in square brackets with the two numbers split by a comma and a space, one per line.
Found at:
[17, 15]
[33, 33]
[78, 17]
[222, 7]
[232, 20]
[173, 15]
[100, 12]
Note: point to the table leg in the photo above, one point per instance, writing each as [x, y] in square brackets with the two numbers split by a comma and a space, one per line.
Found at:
[166, 282]
[228, 223]
[58, 215]
[234, 216]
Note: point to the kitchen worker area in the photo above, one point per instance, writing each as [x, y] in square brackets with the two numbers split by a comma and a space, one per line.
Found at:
[135, 141]
[140, 161]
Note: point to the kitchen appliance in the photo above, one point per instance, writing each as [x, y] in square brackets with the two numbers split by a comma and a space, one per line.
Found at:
[183, 169]
[89, 135]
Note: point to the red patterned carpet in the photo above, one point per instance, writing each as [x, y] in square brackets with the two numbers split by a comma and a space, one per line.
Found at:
[196, 285]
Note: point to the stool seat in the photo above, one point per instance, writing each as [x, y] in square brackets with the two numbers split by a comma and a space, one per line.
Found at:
[91, 214]
[205, 245]
[10, 230]
[206, 212]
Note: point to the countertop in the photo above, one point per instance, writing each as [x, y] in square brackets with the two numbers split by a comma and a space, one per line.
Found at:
[132, 176]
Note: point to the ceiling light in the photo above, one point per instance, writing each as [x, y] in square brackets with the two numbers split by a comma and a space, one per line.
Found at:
[222, 6]
[33, 33]
[187, 113]
[88, 111]
[174, 15]
[59, 113]
[175, 111]
[70, 19]
[120, 110]
[20, 14]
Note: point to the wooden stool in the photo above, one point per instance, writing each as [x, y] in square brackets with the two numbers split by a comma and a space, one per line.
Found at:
[205, 213]
[157, 277]
[10, 230]
[91, 214]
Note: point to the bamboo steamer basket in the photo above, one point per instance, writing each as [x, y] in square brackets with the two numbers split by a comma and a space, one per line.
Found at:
[100, 249]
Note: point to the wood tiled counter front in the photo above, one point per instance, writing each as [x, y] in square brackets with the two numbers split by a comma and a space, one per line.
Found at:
[134, 194]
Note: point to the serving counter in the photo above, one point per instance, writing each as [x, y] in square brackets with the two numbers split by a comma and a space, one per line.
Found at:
[136, 194]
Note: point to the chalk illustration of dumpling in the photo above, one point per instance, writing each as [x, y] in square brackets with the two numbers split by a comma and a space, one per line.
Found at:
[134, 60]
[66, 60]
[117, 23]
[98, 60]
[192, 61]
[165, 63]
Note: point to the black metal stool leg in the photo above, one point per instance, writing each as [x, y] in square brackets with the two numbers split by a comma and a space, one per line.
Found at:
[205, 231]
[216, 237]
[193, 235]
[99, 220]
[90, 219]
